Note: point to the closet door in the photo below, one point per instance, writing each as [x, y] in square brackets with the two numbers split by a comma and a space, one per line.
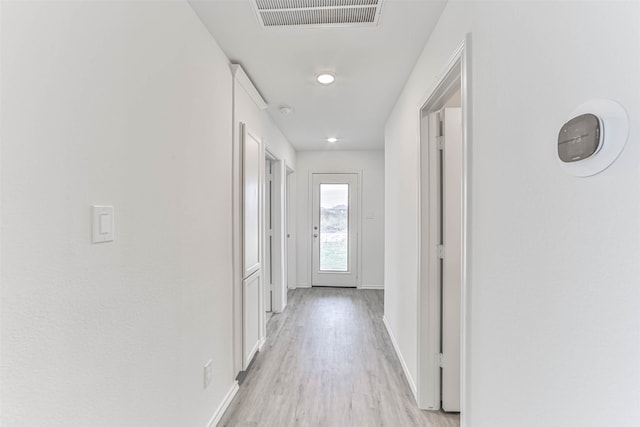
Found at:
[251, 283]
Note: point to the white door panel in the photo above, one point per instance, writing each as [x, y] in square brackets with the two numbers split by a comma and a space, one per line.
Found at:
[251, 198]
[251, 318]
[451, 266]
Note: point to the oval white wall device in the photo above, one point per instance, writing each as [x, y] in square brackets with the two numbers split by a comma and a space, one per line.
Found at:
[593, 137]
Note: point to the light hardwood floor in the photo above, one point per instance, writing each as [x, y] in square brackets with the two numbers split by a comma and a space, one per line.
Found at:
[329, 362]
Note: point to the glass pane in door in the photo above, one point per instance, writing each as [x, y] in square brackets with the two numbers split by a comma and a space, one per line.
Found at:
[334, 227]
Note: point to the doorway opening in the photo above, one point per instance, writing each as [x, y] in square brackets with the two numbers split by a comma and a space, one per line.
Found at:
[268, 234]
[290, 268]
[444, 213]
[274, 240]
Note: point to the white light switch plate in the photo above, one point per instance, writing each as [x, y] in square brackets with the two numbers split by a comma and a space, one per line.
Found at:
[101, 224]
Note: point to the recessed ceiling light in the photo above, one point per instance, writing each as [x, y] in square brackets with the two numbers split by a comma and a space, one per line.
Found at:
[332, 139]
[325, 78]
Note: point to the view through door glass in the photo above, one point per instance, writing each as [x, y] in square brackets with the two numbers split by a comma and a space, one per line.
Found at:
[334, 227]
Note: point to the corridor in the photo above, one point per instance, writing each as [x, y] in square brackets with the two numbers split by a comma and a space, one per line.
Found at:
[328, 361]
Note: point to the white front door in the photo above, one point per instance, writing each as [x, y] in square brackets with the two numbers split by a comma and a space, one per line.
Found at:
[334, 233]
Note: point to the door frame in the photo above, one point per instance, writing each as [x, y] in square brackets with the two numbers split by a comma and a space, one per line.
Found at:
[455, 75]
[278, 212]
[358, 227]
[290, 226]
[269, 247]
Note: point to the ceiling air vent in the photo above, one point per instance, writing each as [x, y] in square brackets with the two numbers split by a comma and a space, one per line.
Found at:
[317, 13]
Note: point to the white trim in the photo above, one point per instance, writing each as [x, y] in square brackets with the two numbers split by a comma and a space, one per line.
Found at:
[262, 321]
[380, 287]
[302, 285]
[412, 384]
[244, 80]
[465, 309]
[441, 82]
[262, 342]
[460, 58]
[217, 415]
[237, 240]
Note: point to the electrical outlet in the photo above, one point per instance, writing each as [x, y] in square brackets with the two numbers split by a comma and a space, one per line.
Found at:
[208, 373]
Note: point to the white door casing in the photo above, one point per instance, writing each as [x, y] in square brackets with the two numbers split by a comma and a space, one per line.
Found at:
[334, 229]
[454, 78]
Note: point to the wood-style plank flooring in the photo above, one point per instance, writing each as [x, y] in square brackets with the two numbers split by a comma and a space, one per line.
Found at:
[329, 362]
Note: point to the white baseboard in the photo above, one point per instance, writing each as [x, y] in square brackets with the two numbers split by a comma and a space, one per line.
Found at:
[302, 285]
[374, 287]
[217, 416]
[412, 384]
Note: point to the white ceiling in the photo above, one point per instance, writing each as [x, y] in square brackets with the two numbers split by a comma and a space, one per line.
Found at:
[371, 66]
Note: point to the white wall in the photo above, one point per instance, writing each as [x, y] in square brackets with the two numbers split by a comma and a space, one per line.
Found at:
[123, 103]
[554, 296]
[371, 165]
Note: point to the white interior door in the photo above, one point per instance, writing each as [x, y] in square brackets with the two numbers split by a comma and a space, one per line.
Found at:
[452, 168]
[252, 159]
[334, 230]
